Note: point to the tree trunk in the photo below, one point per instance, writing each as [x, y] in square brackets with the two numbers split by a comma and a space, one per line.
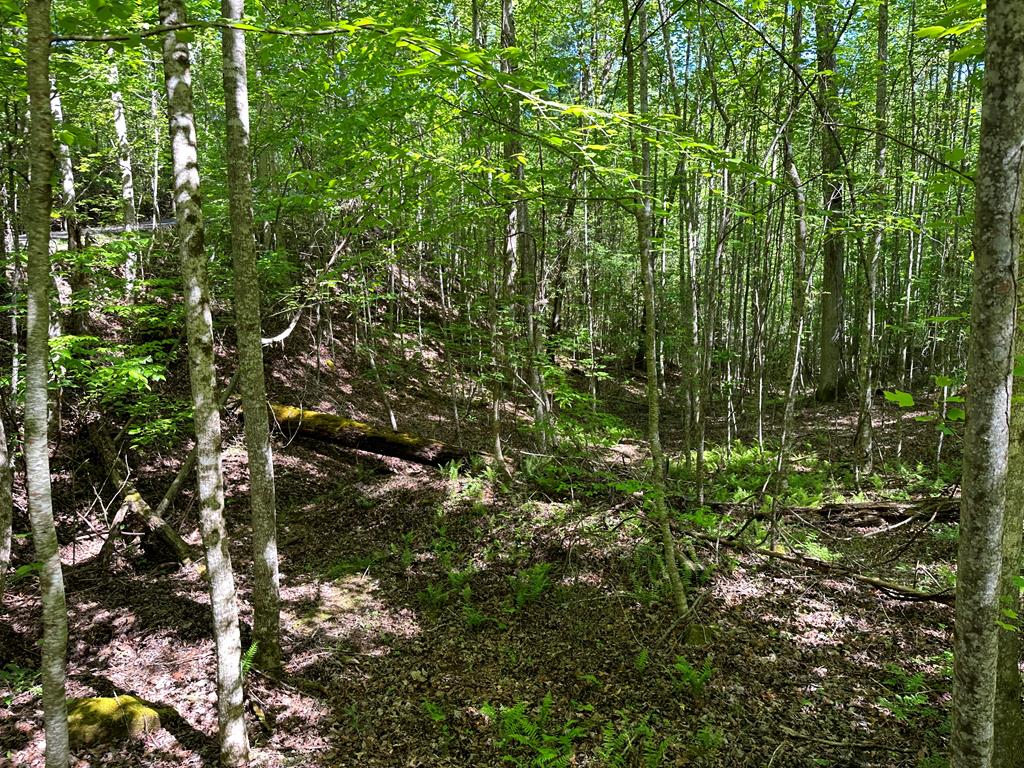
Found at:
[234, 744]
[642, 202]
[866, 348]
[6, 509]
[266, 579]
[363, 437]
[37, 457]
[124, 162]
[997, 214]
[832, 343]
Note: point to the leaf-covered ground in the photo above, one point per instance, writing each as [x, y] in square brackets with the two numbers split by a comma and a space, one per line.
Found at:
[453, 618]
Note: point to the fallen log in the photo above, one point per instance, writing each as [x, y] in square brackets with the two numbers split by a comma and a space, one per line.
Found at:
[363, 437]
[939, 509]
[890, 588]
[161, 538]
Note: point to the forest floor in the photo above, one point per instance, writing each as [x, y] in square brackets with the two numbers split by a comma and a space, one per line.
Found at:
[448, 617]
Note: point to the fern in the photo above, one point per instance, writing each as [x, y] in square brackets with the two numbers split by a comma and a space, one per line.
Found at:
[631, 743]
[690, 678]
[248, 658]
[530, 742]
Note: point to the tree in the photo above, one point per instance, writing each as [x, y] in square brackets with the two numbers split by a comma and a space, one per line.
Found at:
[998, 186]
[641, 203]
[266, 582]
[872, 252]
[37, 457]
[234, 743]
[831, 341]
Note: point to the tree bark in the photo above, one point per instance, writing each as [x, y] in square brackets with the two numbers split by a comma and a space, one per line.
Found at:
[37, 458]
[6, 509]
[266, 633]
[642, 204]
[234, 743]
[831, 342]
[124, 162]
[866, 348]
[998, 187]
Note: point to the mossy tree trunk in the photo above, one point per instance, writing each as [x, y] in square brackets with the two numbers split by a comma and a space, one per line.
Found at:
[997, 221]
[266, 579]
[234, 743]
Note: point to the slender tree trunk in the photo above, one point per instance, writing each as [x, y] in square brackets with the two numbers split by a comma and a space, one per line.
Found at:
[266, 582]
[37, 457]
[520, 250]
[831, 342]
[124, 162]
[234, 744]
[998, 188]
[6, 509]
[798, 303]
[867, 350]
[642, 203]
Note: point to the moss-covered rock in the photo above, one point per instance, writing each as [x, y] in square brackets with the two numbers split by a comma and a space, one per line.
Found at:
[700, 634]
[109, 719]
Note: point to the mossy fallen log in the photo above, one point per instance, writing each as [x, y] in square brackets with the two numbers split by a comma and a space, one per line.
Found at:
[364, 437]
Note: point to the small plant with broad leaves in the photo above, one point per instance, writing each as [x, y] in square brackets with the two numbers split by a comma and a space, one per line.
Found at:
[707, 741]
[438, 716]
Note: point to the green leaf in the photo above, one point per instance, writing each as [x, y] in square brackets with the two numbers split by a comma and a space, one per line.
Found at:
[902, 399]
[956, 414]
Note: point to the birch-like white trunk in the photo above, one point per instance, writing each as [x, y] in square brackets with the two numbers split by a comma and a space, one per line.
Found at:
[37, 455]
[124, 162]
[234, 743]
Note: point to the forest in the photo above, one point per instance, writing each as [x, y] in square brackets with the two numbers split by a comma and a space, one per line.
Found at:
[553, 384]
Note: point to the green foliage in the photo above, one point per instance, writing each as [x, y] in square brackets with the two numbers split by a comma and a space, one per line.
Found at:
[529, 584]
[900, 398]
[908, 698]
[248, 658]
[435, 596]
[438, 716]
[534, 740]
[707, 740]
[691, 679]
[20, 680]
[24, 571]
[631, 743]
[807, 542]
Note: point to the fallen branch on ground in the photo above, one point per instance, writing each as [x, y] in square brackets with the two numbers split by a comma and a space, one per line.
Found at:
[160, 535]
[891, 588]
[941, 509]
